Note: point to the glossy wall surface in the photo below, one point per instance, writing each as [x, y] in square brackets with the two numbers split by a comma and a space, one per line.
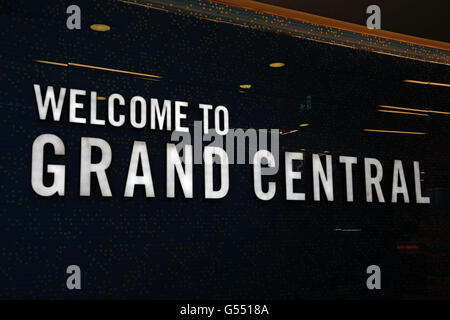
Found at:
[239, 246]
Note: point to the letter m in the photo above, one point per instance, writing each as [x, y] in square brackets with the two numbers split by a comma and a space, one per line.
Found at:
[241, 136]
[49, 99]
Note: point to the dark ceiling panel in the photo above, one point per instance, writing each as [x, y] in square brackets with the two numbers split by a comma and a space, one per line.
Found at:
[426, 19]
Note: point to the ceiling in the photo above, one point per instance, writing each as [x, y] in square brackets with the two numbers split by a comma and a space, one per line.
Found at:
[425, 19]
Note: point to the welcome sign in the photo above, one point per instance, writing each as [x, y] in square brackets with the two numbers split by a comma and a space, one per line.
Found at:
[226, 150]
[160, 119]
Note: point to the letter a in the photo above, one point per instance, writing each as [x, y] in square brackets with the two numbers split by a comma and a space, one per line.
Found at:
[374, 20]
[74, 280]
[374, 281]
[74, 20]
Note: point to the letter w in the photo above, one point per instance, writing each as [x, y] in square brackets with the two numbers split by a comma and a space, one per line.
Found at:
[49, 98]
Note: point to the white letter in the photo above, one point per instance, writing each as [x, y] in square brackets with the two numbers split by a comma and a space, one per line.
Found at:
[179, 116]
[205, 108]
[111, 99]
[327, 180]
[74, 105]
[419, 198]
[174, 162]
[164, 114]
[217, 120]
[94, 119]
[257, 173]
[224, 178]
[348, 175]
[143, 104]
[139, 153]
[99, 168]
[291, 175]
[368, 162]
[49, 98]
[396, 189]
[37, 166]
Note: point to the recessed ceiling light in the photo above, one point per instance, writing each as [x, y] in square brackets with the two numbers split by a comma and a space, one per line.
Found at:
[303, 125]
[100, 27]
[245, 86]
[277, 64]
